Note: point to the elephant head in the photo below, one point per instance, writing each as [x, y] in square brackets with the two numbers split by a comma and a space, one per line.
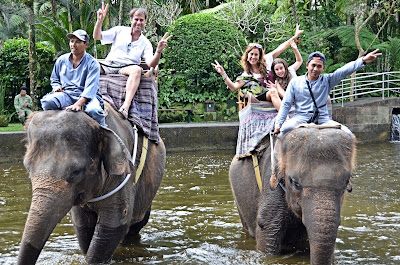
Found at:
[315, 166]
[70, 159]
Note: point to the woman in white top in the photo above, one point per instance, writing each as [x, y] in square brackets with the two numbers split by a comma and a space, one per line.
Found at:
[282, 73]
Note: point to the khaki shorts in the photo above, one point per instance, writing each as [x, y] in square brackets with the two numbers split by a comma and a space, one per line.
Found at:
[110, 67]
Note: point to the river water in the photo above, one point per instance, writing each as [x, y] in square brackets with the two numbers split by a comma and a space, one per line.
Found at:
[194, 219]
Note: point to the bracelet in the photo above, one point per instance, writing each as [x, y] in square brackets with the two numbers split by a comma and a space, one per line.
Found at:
[158, 51]
[223, 79]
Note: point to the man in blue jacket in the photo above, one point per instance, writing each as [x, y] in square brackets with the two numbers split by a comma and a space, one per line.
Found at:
[75, 80]
[303, 89]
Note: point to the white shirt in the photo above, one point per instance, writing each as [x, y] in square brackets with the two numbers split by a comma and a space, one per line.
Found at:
[123, 50]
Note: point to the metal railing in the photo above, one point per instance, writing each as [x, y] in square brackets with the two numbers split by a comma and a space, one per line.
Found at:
[372, 84]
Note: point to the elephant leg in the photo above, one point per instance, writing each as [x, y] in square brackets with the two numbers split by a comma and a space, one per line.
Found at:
[84, 225]
[105, 240]
[135, 228]
[272, 220]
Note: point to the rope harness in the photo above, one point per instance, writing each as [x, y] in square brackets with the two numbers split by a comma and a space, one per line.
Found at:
[256, 165]
[138, 171]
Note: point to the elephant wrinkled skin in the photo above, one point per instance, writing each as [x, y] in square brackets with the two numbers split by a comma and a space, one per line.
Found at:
[72, 159]
[315, 166]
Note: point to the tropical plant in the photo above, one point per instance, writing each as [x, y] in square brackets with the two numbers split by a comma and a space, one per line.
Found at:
[12, 22]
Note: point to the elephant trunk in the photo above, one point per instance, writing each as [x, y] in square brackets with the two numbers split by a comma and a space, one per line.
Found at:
[321, 217]
[45, 212]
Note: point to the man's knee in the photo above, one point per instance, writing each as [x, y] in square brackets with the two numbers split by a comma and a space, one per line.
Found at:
[49, 103]
[133, 70]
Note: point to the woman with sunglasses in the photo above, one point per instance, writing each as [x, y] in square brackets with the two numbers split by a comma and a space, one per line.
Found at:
[256, 66]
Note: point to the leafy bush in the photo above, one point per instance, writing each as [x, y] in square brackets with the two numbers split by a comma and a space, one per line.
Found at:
[3, 121]
[186, 74]
[14, 70]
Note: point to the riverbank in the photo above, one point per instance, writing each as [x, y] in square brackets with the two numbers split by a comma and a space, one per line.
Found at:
[369, 119]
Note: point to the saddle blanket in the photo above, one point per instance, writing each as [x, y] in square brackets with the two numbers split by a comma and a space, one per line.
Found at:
[256, 121]
[143, 110]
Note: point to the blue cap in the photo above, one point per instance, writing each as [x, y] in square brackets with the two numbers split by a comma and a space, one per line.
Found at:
[317, 55]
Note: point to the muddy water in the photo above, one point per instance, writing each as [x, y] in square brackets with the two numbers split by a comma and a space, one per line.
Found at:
[194, 219]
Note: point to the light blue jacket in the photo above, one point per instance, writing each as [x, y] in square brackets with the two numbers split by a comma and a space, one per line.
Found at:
[82, 81]
[297, 92]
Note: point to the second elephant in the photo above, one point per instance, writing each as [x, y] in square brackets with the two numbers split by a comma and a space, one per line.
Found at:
[313, 167]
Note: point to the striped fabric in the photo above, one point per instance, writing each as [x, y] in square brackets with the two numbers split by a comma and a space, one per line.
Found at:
[143, 110]
[257, 120]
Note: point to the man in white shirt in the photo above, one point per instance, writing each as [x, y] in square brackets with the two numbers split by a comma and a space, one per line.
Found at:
[129, 45]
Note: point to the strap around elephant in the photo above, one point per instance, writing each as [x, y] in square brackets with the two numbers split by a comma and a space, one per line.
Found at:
[138, 172]
[257, 171]
[142, 158]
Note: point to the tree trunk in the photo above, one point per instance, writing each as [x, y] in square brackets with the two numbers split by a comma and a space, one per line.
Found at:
[69, 17]
[53, 10]
[32, 54]
[121, 12]
[316, 13]
[294, 11]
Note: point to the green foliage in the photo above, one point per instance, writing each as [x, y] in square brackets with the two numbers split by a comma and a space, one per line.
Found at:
[14, 69]
[3, 121]
[186, 74]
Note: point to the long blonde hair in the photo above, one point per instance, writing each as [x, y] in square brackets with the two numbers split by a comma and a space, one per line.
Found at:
[262, 65]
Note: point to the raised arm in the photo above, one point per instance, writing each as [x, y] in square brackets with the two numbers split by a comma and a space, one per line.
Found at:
[232, 85]
[299, 59]
[101, 14]
[160, 47]
[281, 48]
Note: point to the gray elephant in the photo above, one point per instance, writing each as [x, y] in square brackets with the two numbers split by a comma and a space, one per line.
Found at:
[313, 168]
[71, 159]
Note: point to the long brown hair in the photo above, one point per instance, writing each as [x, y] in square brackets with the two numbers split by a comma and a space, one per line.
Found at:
[262, 65]
[283, 81]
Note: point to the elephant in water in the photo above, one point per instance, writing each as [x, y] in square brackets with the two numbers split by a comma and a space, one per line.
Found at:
[71, 159]
[313, 168]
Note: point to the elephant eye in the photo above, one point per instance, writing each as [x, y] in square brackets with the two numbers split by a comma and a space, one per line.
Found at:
[295, 183]
[72, 177]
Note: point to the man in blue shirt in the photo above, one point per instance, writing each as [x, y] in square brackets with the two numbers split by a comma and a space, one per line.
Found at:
[75, 80]
[299, 89]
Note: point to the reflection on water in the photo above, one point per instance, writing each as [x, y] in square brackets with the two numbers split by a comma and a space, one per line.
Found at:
[194, 219]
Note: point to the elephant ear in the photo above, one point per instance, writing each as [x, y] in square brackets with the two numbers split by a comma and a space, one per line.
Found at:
[115, 156]
[276, 176]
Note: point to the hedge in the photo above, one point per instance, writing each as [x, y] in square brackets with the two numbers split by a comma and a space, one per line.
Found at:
[186, 75]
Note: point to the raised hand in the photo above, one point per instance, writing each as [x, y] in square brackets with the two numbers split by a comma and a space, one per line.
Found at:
[370, 57]
[102, 12]
[218, 68]
[298, 31]
[272, 85]
[163, 42]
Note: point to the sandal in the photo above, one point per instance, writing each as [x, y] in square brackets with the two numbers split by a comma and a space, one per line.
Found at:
[124, 112]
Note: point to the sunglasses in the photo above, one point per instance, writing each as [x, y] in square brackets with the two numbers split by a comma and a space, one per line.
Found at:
[255, 45]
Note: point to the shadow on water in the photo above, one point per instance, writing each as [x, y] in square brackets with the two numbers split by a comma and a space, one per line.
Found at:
[194, 218]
